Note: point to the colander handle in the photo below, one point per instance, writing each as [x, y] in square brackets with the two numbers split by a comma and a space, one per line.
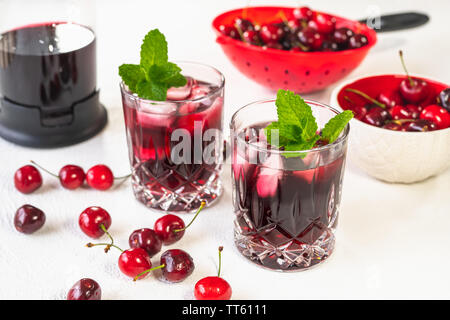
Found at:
[395, 22]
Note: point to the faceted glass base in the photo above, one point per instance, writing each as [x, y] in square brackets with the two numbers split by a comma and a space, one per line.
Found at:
[186, 198]
[290, 256]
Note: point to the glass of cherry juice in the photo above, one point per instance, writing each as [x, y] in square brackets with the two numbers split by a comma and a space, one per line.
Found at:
[175, 146]
[286, 203]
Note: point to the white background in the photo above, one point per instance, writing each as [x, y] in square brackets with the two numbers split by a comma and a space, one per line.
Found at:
[393, 240]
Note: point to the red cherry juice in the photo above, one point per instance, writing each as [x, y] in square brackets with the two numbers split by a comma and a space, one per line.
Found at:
[150, 127]
[285, 204]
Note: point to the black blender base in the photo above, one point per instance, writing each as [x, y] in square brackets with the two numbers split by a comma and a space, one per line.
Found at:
[27, 127]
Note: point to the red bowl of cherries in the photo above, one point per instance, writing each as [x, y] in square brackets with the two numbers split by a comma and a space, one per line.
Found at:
[401, 130]
[292, 48]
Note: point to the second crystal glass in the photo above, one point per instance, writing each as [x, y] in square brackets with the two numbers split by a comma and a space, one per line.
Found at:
[286, 206]
[175, 146]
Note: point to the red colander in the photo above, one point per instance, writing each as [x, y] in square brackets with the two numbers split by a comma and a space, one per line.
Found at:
[301, 72]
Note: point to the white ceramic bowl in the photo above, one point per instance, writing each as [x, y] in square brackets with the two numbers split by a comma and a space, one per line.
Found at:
[395, 156]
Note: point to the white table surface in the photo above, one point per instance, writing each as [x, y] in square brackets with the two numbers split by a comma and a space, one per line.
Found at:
[393, 240]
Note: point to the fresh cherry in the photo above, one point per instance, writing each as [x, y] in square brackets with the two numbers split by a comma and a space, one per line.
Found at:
[329, 46]
[419, 126]
[27, 179]
[377, 117]
[273, 45]
[270, 33]
[413, 90]
[229, 31]
[311, 38]
[70, 176]
[244, 24]
[29, 219]
[393, 126]
[134, 262]
[170, 228]
[85, 289]
[390, 98]
[342, 36]
[213, 288]
[100, 177]
[251, 37]
[303, 13]
[175, 264]
[414, 110]
[444, 99]
[323, 23]
[94, 222]
[436, 114]
[400, 112]
[178, 265]
[146, 239]
[357, 41]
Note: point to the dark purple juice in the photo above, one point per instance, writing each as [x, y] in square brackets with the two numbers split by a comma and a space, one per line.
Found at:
[286, 207]
[51, 66]
[159, 181]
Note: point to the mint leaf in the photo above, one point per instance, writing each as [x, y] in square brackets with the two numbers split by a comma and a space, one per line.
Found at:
[154, 75]
[293, 112]
[299, 146]
[168, 73]
[152, 91]
[131, 75]
[334, 127]
[154, 49]
[272, 132]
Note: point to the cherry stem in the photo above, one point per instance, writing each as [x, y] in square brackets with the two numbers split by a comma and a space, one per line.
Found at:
[411, 82]
[241, 34]
[348, 99]
[220, 260]
[42, 168]
[202, 205]
[147, 271]
[362, 94]
[90, 245]
[108, 246]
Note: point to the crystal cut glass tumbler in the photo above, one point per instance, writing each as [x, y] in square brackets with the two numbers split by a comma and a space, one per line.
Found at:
[286, 207]
[175, 146]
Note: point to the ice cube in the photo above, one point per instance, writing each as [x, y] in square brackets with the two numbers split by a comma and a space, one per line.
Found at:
[269, 176]
[151, 114]
[181, 93]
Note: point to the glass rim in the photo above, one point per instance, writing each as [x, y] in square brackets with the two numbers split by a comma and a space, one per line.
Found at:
[125, 90]
[342, 137]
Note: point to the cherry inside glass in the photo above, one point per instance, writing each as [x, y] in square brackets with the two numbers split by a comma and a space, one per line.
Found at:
[286, 208]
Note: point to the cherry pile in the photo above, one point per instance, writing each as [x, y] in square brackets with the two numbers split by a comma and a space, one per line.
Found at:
[28, 179]
[175, 264]
[306, 31]
[412, 107]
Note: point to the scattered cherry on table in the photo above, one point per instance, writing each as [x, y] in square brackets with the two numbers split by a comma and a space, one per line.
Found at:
[27, 179]
[214, 287]
[94, 222]
[28, 219]
[171, 228]
[85, 289]
[146, 239]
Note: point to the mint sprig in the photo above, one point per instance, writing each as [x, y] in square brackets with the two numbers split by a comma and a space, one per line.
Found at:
[296, 128]
[155, 74]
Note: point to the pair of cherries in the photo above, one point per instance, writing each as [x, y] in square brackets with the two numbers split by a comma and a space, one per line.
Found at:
[208, 288]
[421, 112]
[28, 179]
